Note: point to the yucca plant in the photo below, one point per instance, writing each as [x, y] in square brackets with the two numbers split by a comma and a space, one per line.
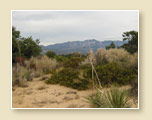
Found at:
[95, 100]
[116, 98]
[112, 98]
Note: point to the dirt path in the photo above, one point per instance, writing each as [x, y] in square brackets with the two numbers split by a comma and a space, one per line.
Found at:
[40, 95]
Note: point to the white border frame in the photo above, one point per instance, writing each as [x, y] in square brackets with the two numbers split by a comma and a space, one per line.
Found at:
[76, 108]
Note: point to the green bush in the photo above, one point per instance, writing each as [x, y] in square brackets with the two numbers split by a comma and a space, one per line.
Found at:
[69, 77]
[61, 58]
[74, 62]
[113, 73]
[50, 54]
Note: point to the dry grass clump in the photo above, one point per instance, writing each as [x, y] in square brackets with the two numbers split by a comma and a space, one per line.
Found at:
[133, 61]
[117, 55]
[34, 67]
[112, 55]
[101, 57]
[104, 56]
[20, 76]
[43, 64]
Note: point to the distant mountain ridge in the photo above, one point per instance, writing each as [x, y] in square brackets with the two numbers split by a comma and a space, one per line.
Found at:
[79, 46]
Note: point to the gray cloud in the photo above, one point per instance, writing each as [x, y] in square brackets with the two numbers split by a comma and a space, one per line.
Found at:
[62, 26]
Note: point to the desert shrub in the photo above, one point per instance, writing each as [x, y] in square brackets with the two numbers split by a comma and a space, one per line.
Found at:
[75, 54]
[69, 77]
[101, 56]
[86, 66]
[31, 63]
[46, 64]
[74, 62]
[113, 98]
[116, 55]
[134, 89]
[42, 65]
[20, 75]
[50, 54]
[113, 73]
[133, 61]
[61, 58]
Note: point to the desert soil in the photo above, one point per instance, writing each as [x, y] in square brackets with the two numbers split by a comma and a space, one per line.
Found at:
[38, 94]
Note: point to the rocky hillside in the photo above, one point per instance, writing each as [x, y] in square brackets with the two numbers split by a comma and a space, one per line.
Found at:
[79, 46]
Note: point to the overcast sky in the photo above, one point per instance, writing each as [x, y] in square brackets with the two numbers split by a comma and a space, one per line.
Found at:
[62, 26]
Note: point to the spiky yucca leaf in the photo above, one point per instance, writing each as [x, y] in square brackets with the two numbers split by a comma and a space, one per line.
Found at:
[116, 98]
[113, 98]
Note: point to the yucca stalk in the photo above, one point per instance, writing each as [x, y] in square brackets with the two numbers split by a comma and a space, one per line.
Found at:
[91, 60]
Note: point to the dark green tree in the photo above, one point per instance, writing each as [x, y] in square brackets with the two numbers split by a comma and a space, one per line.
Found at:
[50, 54]
[30, 47]
[24, 47]
[112, 45]
[15, 44]
[132, 38]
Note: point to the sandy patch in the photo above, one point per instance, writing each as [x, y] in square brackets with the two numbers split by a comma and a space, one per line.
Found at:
[40, 95]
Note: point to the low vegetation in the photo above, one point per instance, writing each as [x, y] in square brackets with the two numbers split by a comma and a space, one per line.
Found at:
[112, 98]
[34, 67]
[107, 67]
[113, 73]
[70, 76]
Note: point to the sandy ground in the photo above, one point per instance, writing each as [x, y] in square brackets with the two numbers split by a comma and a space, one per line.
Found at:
[40, 95]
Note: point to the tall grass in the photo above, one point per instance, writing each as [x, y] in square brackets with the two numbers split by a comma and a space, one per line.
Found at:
[104, 56]
[20, 75]
[43, 64]
[34, 67]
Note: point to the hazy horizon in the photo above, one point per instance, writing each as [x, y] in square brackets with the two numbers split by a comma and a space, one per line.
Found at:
[53, 27]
